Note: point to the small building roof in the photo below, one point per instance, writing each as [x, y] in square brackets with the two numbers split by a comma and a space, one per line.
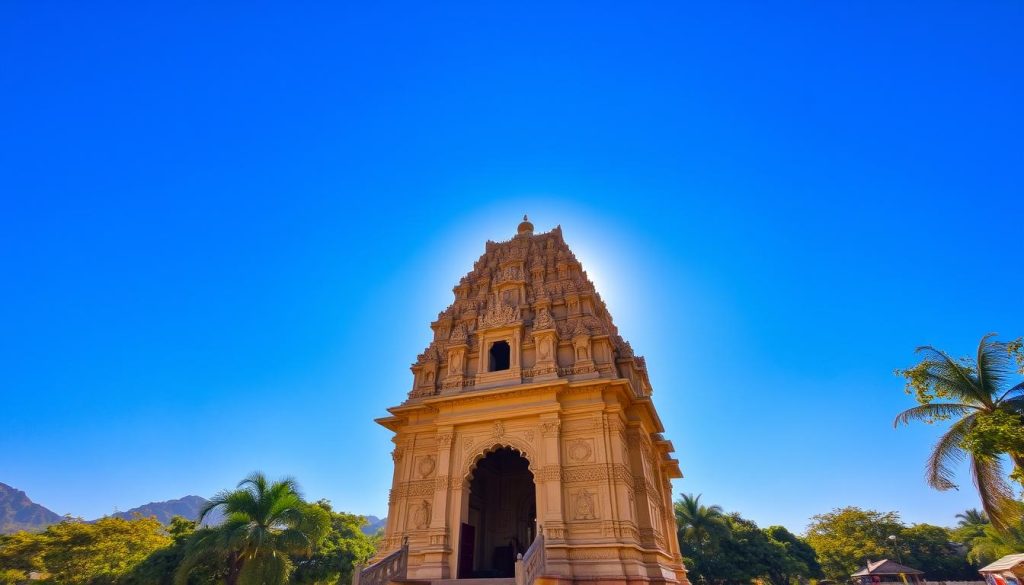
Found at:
[1004, 564]
[886, 567]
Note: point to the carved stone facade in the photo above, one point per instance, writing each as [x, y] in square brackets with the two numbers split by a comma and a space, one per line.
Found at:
[527, 359]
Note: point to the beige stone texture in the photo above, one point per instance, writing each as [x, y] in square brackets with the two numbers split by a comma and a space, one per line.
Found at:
[571, 400]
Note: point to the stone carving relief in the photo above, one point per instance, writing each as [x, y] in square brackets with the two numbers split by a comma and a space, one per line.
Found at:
[585, 505]
[580, 450]
[543, 320]
[414, 488]
[420, 515]
[455, 364]
[426, 465]
[545, 352]
[459, 334]
[593, 473]
[478, 451]
[550, 428]
[501, 314]
[499, 429]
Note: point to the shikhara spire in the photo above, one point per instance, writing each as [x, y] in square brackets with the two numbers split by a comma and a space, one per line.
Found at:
[535, 283]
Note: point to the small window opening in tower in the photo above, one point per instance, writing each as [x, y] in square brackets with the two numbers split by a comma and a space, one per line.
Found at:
[499, 356]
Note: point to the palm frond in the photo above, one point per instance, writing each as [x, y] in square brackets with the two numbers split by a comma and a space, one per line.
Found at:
[996, 495]
[951, 377]
[264, 569]
[995, 365]
[1013, 391]
[932, 411]
[946, 453]
[256, 480]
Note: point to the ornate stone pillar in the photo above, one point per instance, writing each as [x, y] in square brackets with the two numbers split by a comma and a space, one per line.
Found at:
[641, 487]
[456, 371]
[435, 562]
[545, 339]
[549, 482]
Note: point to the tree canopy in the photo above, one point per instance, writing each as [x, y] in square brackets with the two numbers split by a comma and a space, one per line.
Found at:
[323, 549]
[845, 539]
[984, 398]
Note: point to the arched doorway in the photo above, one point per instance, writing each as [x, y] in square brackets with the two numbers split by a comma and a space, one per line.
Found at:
[500, 519]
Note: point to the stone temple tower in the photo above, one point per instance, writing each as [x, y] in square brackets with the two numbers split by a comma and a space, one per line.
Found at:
[529, 447]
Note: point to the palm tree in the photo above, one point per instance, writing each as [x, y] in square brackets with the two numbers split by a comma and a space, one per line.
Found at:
[700, 525]
[994, 544]
[972, 517]
[265, 522]
[974, 392]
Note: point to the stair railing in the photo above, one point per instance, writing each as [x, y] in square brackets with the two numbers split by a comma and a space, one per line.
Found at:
[392, 567]
[529, 566]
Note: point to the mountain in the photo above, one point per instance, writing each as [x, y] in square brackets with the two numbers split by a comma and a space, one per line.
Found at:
[17, 512]
[187, 507]
[374, 524]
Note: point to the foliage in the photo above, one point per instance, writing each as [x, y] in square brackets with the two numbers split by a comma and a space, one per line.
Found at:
[266, 525]
[972, 517]
[80, 553]
[993, 544]
[970, 526]
[73, 552]
[721, 549]
[335, 556]
[798, 558]
[271, 536]
[846, 538]
[986, 406]
[159, 567]
[702, 527]
[929, 548]
[21, 553]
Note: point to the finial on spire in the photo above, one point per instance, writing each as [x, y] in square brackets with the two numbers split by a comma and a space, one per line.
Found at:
[526, 228]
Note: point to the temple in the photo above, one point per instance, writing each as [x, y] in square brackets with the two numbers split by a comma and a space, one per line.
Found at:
[529, 449]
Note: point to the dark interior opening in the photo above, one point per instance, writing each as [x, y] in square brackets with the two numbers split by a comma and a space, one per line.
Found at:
[500, 355]
[502, 516]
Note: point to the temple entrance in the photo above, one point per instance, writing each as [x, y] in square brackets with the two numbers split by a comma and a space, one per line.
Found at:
[500, 521]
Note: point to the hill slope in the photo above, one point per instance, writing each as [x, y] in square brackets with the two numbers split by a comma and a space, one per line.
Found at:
[17, 512]
[187, 507]
[373, 525]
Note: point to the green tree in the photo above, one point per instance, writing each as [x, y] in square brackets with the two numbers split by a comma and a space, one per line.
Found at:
[701, 527]
[77, 553]
[20, 554]
[344, 546]
[746, 554]
[993, 544]
[929, 548]
[846, 538]
[266, 524]
[160, 566]
[729, 549]
[797, 559]
[987, 408]
[971, 525]
[972, 517]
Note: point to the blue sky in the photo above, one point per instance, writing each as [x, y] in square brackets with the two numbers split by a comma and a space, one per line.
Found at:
[225, 229]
